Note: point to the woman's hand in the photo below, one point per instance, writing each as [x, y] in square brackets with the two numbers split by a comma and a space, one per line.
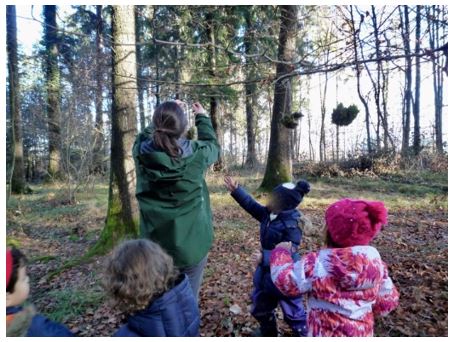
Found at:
[285, 245]
[231, 184]
[197, 108]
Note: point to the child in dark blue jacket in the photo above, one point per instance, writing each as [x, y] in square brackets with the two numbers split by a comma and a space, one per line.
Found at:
[142, 281]
[22, 320]
[279, 221]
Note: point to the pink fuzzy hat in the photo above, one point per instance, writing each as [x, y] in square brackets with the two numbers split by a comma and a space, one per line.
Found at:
[353, 222]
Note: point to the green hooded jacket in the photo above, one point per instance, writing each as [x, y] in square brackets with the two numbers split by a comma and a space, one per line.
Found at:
[173, 197]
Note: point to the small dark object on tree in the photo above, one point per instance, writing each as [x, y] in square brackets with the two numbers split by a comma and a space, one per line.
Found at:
[191, 134]
[291, 120]
[342, 116]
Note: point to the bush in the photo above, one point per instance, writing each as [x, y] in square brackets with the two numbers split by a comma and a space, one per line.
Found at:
[380, 164]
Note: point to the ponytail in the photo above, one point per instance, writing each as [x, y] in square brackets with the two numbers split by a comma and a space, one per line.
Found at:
[166, 142]
[170, 123]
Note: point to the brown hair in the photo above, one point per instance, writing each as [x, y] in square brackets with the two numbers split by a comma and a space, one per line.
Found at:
[137, 272]
[19, 261]
[170, 123]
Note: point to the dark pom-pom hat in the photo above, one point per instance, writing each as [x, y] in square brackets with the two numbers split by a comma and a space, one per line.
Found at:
[291, 195]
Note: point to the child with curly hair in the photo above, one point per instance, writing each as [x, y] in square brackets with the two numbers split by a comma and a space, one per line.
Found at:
[142, 281]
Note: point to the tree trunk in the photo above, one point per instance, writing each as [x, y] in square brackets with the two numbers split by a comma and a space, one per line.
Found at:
[98, 151]
[279, 163]
[416, 106]
[121, 220]
[338, 142]
[250, 89]
[214, 108]
[377, 84]
[438, 75]
[358, 73]
[53, 91]
[407, 101]
[322, 142]
[18, 178]
[139, 64]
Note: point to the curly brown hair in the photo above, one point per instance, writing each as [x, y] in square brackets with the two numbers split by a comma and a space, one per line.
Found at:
[137, 272]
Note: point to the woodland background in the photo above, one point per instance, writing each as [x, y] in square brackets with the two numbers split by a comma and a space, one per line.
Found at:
[353, 98]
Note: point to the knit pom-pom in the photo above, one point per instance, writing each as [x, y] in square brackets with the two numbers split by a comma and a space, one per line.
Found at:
[303, 187]
[377, 212]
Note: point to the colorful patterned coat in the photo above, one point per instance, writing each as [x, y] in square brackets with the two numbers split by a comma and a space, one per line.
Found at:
[346, 287]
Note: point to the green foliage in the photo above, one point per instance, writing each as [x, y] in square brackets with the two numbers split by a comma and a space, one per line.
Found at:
[342, 116]
[291, 121]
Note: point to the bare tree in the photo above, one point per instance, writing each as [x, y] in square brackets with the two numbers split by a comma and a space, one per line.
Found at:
[17, 184]
[407, 97]
[98, 136]
[416, 103]
[214, 106]
[433, 14]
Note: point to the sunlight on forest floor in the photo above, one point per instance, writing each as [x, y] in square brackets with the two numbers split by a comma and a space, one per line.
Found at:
[414, 244]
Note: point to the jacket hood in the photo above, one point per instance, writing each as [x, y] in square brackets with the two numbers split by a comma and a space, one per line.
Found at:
[178, 299]
[158, 165]
[354, 268]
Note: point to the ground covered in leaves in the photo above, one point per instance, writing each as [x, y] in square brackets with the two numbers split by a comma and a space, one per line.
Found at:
[414, 244]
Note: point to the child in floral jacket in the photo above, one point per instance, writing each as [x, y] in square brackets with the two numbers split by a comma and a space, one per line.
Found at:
[279, 221]
[347, 283]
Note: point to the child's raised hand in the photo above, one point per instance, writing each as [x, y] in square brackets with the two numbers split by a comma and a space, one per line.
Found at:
[285, 245]
[230, 183]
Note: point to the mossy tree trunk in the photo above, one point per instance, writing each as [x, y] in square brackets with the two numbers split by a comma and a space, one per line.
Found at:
[121, 220]
[53, 91]
[18, 177]
[279, 163]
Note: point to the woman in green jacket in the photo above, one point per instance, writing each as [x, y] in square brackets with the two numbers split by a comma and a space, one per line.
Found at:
[171, 189]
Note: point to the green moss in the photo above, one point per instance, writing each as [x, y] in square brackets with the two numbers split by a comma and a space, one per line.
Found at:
[276, 173]
[115, 229]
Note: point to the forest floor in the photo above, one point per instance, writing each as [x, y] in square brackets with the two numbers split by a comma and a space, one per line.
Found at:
[414, 245]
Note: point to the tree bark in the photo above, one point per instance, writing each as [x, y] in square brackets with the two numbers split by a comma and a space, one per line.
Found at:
[407, 101]
[416, 106]
[250, 89]
[214, 107]
[121, 220]
[279, 163]
[18, 177]
[139, 65]
[53, 91]
[438, 75]
[322, 141]
[98, 151]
